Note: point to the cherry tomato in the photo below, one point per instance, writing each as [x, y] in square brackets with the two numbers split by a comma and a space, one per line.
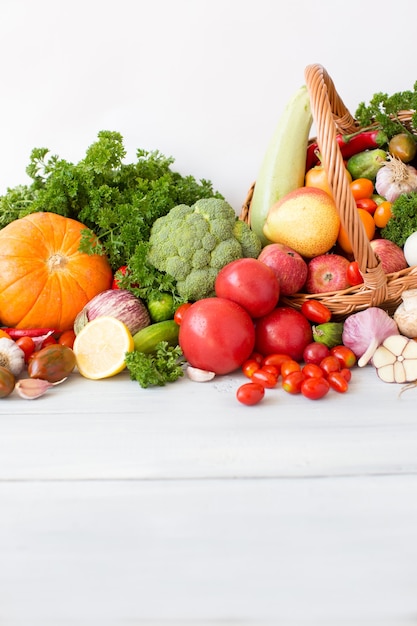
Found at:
[264, 378]
[315, 311]
[315, 352]
[369, 225]
[27, 345]
[273, 369]
[67, 338]
[216, 334]
[312, 370]
[403, 146]
[117, 275]
[338, 382]
[317, 177]
[250, 393]
[275, 359]
[346, 373]
[353, 275]
[49, 341]
[249, 367]
[383, 214]
[367, 204]
[250, 283]
[289, 366]
[330, 364]
[362, 188]
[122, 271]
[292, 382]
[315, 388]
[345, 356]
[257, 356]
[180, 312]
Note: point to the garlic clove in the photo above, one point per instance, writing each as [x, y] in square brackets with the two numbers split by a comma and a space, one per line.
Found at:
[32, 388]
[383, 356]
[396, 344]
[410, 369]
[198, 375]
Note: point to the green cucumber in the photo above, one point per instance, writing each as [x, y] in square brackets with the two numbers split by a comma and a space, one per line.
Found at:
[147, 338]
[284, 164]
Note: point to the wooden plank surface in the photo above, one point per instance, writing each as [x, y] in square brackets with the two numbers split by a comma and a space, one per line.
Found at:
[179, 506]
[283, 551]
[114, 429]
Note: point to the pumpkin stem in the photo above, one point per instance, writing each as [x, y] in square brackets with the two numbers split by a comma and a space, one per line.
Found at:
[57, 261]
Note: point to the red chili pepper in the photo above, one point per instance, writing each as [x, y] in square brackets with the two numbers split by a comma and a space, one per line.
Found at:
[366, 140]
[15, 333]
[349, 145]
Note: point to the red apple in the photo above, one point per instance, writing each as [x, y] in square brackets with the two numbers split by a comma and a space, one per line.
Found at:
[327, 272]
[289, 266]
[390, 254]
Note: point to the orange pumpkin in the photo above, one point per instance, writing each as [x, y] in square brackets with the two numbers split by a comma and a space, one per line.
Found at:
[45, 280]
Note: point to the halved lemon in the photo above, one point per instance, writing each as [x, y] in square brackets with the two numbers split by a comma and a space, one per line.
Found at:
[100, 347]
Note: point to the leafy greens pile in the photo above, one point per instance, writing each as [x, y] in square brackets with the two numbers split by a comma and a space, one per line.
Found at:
[383, 108]
[117, 201]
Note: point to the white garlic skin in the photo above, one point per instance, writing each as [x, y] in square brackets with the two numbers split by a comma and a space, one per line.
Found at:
[11, 356]
[405, 315]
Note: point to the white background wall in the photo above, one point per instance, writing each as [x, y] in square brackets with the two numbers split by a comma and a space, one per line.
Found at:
[203, 81]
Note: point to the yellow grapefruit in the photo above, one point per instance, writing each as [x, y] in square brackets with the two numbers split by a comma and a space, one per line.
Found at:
[306, 220]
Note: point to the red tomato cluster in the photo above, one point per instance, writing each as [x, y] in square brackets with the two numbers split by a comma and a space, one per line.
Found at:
[311, 378]
[244, 326]
[34, 339]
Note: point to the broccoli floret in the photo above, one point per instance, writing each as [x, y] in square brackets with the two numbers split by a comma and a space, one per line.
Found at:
[219, 209]
[248, 239]
[192, 244]
[178, 267]
[198, 284]
[225, 252]
[201, 259]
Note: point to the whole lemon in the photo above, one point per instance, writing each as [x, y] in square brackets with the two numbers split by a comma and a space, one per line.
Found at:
[306, 220]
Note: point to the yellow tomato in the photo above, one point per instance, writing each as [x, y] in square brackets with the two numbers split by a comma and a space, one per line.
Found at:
[369, 224]
[383, 214]
[362, 188]
[317, 177]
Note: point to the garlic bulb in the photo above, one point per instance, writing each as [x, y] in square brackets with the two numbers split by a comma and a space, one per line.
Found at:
[406, 314]
[395, 360]
[395, 178]
[11, 356]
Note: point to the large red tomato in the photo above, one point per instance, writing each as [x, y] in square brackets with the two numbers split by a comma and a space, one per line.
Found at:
[216, 334]
[284, 330]
[250, 283]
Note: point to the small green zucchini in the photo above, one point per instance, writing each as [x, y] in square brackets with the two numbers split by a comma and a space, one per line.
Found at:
[147, 338]
[284, 164]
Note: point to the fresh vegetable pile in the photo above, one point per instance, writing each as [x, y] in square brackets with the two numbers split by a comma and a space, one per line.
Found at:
[179, 285]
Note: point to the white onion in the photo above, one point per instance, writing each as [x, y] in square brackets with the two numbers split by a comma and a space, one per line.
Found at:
[410, 249]
[119, 303]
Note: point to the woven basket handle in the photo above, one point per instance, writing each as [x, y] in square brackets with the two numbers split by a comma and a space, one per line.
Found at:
[331, 116]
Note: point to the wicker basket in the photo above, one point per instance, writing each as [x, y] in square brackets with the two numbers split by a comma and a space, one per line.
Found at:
[331, 116]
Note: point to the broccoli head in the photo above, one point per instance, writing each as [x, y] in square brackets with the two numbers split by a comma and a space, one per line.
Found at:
[192, 243]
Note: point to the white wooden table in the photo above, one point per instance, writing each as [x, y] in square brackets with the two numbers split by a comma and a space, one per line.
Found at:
[177, 505]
